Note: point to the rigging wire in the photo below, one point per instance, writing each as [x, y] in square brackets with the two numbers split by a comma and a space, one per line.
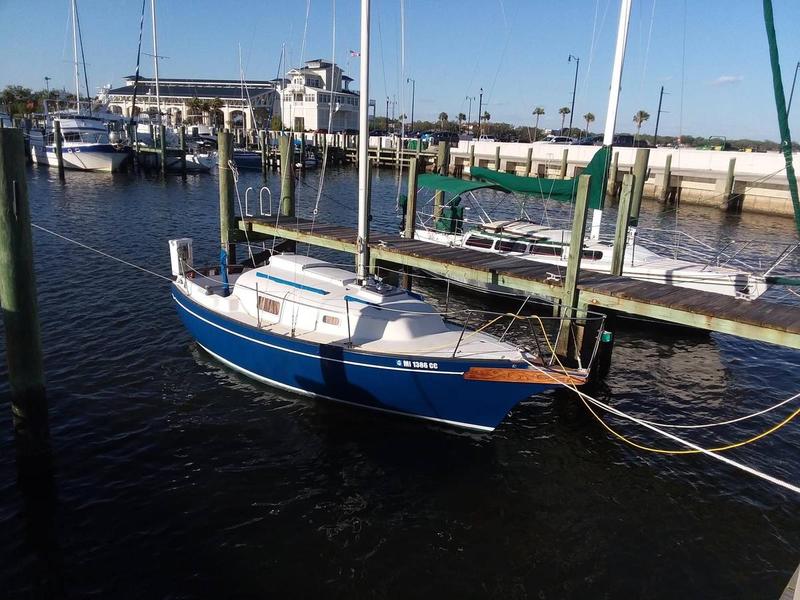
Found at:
[692, 447]
[326, 146]
[100, 252]
[83, 60]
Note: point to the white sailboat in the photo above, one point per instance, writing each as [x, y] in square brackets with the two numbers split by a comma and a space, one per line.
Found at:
[543, 243]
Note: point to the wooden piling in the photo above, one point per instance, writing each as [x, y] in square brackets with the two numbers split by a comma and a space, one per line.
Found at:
[563, 172]
[183, 148]
[287, 176]
[497, 158]
[302, 151]
[611, 188]
[728, 188]
[262, 140]
[442, 157]
[471, 157]
[624, 216]
[59, 149]
[665, 178]
[162, 149]
[18, 299]
[640, 176]
[227, 215]
[529, 162]
[411, 205]
[569, 294]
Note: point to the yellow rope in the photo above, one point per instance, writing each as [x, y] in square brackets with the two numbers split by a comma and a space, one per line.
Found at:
[611, 430]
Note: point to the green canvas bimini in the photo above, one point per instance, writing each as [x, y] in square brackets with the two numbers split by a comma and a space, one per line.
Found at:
[558, 189]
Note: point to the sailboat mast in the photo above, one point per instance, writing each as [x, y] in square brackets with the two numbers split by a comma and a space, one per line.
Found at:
[613, 96]
[155, 57]
[75, 56]
[362, 243]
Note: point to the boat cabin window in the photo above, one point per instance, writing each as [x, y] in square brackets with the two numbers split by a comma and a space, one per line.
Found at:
[545, 250]
[269, 305]
[330, 320]
[509, 246]
[592, 254]
[72, 136]
[478, 242]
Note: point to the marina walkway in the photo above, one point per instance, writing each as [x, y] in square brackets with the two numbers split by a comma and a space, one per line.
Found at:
[758, 320]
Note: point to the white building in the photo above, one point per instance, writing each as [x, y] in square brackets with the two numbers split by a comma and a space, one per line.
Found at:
[304, 100]
[178, 97]
[308, 94]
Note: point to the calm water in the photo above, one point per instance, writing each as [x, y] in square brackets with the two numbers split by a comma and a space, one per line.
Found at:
[177, 478]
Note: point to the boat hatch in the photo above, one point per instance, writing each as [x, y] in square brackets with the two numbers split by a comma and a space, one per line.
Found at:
[478, 242]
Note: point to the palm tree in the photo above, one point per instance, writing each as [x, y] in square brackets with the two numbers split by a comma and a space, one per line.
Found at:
[537, 112]
[442, 119]
[589, 118]
[195, 108]
[214, 106]
[563, 111]
[205, 107]
[461, 118]
[640, 117]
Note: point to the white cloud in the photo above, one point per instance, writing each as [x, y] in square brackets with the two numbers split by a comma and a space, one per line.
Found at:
[727, 80]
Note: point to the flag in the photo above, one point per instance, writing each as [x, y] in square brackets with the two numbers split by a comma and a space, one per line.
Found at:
[355, 53]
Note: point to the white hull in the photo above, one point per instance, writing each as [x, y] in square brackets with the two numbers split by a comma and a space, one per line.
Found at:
[640, 264]
[75, 158]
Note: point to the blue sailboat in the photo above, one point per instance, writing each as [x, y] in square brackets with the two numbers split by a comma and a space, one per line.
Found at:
[313, 328]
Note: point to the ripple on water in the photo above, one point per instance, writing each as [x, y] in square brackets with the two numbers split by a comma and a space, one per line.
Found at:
[178, 478]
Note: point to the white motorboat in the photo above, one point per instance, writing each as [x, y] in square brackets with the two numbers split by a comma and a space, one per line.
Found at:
[85, 145]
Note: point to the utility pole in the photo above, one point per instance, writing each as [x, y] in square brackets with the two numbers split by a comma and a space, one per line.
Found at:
[658, 114]
[387, 114]
[574, 88]
[469, 112]
[480, 114]
[413, 83]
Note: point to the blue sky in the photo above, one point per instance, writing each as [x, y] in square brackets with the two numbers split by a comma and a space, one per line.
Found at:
[515, 49]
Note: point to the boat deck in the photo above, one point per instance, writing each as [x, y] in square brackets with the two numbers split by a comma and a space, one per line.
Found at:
[759, 320]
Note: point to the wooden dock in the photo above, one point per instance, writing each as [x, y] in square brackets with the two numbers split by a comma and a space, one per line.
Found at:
[758, 320]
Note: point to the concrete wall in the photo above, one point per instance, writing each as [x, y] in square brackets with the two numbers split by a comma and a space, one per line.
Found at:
[697, 176]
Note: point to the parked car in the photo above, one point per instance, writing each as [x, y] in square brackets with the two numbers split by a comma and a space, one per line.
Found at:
[626, 140]
[590, 140]
[559, 139]
[433, 138]
[486, 138]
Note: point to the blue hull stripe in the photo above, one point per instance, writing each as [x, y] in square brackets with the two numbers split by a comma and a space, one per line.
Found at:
[410, 385]
[299, 286]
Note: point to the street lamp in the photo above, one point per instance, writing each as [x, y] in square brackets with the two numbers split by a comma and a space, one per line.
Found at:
[480, 114]
[469, 112]
[658, 114]
[791, 94]
[413, 83]
[574, 87]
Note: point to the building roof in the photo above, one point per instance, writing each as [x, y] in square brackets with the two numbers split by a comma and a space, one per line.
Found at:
[148, 88]
[211, 82]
